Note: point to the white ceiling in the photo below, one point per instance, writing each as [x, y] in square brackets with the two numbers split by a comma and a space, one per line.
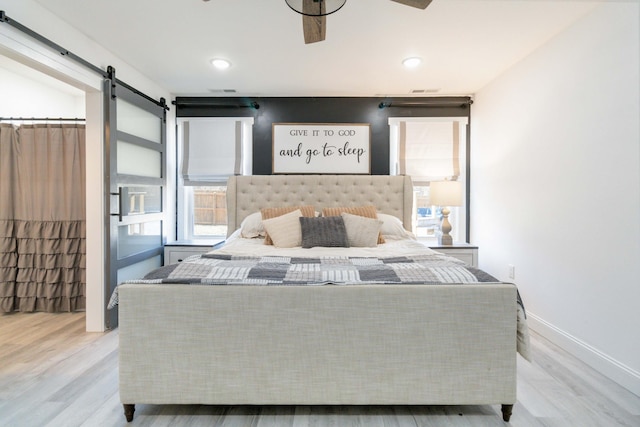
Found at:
[464, 44]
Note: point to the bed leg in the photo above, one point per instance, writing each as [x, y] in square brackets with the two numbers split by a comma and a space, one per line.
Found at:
[506, 412]
[128, 411]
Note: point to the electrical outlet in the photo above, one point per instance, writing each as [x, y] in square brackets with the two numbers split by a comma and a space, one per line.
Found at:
[512, 271]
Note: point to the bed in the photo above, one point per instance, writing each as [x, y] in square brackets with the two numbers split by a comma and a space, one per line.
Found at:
[354, 335]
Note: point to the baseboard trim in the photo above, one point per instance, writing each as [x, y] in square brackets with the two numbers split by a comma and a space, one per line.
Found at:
[601, 362]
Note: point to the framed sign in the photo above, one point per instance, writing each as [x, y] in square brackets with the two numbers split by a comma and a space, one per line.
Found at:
[322, 148]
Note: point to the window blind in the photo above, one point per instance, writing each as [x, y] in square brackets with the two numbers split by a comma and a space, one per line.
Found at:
[212, 151]
[429, 150]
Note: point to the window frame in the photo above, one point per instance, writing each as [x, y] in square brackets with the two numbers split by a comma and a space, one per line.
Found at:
[185, 209]
[459, 216]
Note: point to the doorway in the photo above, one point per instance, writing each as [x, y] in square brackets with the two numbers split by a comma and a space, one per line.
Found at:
[101, 89]
[30, 92]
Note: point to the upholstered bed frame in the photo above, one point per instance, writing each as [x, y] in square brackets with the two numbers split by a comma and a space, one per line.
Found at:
[318, 345]
[392, 195]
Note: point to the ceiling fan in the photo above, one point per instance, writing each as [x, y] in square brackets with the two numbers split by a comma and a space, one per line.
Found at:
[314, 14]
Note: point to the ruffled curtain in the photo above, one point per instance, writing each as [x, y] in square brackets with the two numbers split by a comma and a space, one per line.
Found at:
[42, 218]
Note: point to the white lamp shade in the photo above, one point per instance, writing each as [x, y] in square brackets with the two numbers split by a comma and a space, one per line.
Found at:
[445, 193]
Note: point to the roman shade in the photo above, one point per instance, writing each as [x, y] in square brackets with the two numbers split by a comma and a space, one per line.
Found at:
[212, 150]
[429, 150]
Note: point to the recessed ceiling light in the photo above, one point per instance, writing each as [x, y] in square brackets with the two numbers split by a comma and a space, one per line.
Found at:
[412, 62]
[220, 64]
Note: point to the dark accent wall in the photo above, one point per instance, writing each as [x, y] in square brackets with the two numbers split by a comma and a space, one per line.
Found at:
[269, 110]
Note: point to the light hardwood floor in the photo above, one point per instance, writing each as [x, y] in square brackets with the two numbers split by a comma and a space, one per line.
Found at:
[53, 373]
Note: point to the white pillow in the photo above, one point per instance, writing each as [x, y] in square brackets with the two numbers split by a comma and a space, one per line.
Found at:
[392, 228]
[285, 230]
[252, 227]
[361, 232]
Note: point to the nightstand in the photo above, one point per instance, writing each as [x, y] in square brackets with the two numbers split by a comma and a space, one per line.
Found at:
[175, 252]
[463, 251]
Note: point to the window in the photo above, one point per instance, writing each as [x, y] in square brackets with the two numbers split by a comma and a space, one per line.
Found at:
[209, 151]
[431, 149]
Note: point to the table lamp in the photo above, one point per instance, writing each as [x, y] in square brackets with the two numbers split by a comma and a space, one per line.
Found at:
[445, 194]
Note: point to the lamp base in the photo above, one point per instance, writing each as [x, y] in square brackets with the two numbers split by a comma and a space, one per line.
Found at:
[445, 240]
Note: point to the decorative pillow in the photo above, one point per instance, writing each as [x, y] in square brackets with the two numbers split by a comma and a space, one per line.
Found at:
[285, 229]
[252, 227]
[323, 231]
[365, 211]
[361, 231]
[392, 227]
[267, 213]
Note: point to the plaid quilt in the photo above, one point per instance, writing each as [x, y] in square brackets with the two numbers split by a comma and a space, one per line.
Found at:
[218, 269]
[214, 269]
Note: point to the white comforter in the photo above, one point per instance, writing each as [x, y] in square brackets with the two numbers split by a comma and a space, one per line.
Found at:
[236, 245]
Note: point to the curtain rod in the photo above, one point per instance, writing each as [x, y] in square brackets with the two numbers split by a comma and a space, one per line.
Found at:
[209, 104]
[41, 119]
[425, 104]
[62, 51]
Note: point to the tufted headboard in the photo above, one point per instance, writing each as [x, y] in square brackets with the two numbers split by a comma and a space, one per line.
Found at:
[392, 195]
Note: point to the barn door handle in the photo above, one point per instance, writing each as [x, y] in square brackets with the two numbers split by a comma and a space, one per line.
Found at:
[120, 207]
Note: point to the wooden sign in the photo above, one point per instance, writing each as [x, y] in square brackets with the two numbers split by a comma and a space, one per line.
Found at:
[321, 148]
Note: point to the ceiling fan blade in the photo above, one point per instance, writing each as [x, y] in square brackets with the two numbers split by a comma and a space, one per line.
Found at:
[313, 27]
[420, 4]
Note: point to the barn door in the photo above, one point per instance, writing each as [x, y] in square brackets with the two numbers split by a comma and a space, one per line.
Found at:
[135, 143]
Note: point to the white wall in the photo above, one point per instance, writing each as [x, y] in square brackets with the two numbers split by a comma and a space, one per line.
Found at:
[556, 187]
[26, 97]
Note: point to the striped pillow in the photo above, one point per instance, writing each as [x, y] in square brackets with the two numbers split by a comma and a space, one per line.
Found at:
[365, 211]
[267, 213]
[362, 232]
[326, 232]
[285, 229]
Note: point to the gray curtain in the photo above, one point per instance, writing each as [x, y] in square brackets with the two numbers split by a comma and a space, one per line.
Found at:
[42, 217]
